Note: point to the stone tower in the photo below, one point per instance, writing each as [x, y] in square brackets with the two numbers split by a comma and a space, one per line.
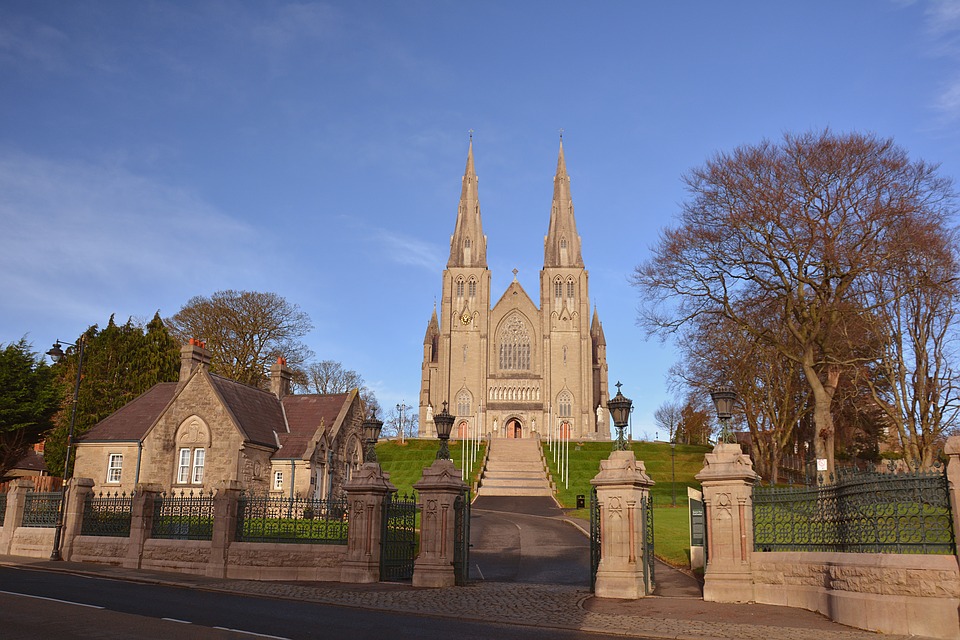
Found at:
[516, 369]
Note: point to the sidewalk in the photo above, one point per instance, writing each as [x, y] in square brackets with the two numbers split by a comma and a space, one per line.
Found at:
[545, 606]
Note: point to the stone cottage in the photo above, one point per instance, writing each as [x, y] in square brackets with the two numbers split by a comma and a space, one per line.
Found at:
[204, 428]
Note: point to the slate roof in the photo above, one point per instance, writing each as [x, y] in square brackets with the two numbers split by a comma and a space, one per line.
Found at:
[131, 421]
[304, 414]
[257, 413]
[32, 461]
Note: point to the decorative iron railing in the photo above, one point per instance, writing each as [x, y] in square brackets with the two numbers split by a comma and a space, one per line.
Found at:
[3, 506]
[292, 520]
[40, 508]
[183, 516]
[859, 513]
[107, 515]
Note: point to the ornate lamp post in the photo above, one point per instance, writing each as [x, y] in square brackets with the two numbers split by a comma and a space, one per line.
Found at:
[619, 407]
[371, 433]
[444, 424]
[401, 408]
[56, 354]
[724, 399]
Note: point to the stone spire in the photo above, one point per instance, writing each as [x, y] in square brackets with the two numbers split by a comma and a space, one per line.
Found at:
[596, 329]
[561, 246]
[433, 328]
[431, 340]
[468, 245]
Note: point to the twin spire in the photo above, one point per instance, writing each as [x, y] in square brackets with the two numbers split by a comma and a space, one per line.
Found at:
[561, 246]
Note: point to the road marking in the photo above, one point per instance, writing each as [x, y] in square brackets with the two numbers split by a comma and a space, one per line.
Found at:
[251, 633]
[480, 572]
[27, 595]
[176, 620]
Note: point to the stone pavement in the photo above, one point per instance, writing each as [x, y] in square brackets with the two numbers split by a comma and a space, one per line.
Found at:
[545, 606]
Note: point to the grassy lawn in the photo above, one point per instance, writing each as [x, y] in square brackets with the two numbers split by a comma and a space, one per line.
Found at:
[669, 524]
[405, 463]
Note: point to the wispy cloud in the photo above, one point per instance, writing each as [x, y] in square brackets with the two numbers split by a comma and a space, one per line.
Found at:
[942, 26]
[405, 250]
[79, 238]
[28, 43]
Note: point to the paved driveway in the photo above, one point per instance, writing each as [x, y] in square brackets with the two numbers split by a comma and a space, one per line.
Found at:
[522, 539]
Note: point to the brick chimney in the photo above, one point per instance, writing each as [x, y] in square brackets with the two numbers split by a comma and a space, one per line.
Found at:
[193, 355]
[280, 378]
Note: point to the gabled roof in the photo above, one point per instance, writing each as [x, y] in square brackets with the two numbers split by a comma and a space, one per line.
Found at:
[256, 412]
[515, 288]
[32, 461]
[132, 420]
[305, 414]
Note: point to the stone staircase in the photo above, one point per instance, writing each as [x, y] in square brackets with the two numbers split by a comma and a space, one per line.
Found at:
[514, 468]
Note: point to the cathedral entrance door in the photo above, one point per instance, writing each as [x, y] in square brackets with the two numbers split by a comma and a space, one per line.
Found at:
[564, 430]
[463, 430]
[513, 428]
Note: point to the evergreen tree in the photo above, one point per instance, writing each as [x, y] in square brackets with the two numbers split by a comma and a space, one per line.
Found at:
[29, 398]
[120, 363]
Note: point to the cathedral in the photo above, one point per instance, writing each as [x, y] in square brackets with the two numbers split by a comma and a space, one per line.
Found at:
[516, 370]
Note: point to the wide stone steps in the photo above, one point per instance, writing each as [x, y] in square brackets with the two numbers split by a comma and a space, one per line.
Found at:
[514, 468]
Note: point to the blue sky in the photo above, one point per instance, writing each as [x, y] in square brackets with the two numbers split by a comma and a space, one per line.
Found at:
[153, 151]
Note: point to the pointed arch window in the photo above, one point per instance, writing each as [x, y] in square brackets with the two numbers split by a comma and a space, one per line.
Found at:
[466, 243]
[464, 400]
[558, 289]
[472, 288]
[563, 243]
[514, 339]
[570, 288]
[460, 288]
[565, 404]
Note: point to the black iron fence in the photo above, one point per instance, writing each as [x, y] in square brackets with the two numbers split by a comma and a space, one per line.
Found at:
[107, 514]
[183, 516]
[398, 537]
[292, 520]
[40, 508]
[859, 513]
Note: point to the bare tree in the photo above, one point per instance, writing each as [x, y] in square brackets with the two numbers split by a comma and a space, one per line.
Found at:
[246, 331]
[802, 227]
[330, 376]
[914, 382]
[668, 417]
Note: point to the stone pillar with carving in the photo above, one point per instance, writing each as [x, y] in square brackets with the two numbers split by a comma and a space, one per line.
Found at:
[952, 449]
[365, 495]
[78, 490]
[13, 517]
[622, 485]
[141, 522]
[225, 505]
[728, 478]
[438, 488]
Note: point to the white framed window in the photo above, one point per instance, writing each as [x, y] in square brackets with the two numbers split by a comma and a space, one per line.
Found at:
[277, 480]
[114, 467]
[190, 465]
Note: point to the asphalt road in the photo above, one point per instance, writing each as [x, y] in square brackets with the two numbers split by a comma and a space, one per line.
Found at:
[37, 605]
[522, 540]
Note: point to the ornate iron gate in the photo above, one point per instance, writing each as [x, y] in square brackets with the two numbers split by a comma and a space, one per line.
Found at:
[398, 537]
[646, 516]
[646, 505]
[461, 538]
[594, 538]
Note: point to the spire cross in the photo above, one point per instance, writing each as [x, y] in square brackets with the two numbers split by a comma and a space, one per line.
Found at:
[515, 275]
[471, 134]
[618, 385]
[561, 133]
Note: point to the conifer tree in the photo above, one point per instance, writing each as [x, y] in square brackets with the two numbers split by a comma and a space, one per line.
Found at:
[29, 398]
[120, 363]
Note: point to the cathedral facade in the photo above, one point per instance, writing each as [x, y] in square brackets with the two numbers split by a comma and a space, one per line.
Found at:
[516, 369]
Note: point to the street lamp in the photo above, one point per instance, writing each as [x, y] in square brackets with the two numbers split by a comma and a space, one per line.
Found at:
[673, 472]
[444, 424]
[619, 408]
[371, 433]
[400, 409]
[724, 399]
[56, 354]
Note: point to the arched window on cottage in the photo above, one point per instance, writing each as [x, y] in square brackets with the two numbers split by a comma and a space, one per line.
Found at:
[193, 441]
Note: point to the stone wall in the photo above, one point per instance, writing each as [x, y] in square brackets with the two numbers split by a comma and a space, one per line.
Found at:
[891, 593]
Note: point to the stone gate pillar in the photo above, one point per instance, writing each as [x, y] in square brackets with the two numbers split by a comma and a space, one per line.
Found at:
[622, 485]
[952, 449]
[727, 478]
[225, 507]
[438, 488]
[365, 494]
[145, 496]
[78, 489]
[16, 501]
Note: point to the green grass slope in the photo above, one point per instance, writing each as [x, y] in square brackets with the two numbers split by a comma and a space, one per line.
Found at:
[405, 463]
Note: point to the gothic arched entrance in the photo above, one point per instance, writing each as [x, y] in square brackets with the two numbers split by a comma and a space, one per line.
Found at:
[463, 430]
[513, 428]
[565, 430]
